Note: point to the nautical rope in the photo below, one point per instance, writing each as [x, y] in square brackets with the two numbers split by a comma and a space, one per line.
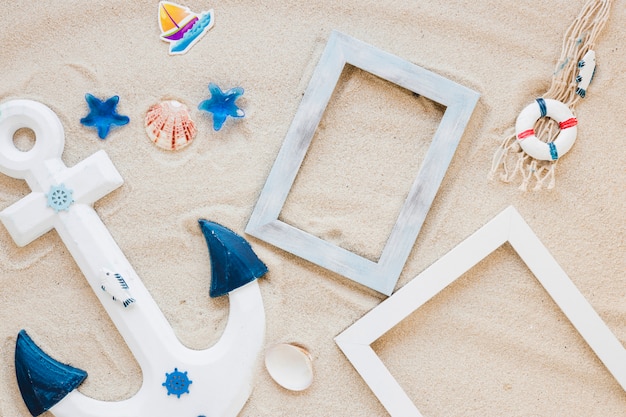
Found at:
[579, 38]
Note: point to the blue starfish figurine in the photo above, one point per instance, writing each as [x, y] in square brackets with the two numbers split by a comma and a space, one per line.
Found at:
[222, 104]
[102, 115]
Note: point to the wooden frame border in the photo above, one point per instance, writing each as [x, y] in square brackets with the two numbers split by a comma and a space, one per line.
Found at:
[382, 275]
[508, 226]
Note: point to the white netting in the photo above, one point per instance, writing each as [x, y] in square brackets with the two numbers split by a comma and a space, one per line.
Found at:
[510, 160]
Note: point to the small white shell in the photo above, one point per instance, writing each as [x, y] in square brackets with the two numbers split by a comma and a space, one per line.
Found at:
[290, 366]
[169, 125]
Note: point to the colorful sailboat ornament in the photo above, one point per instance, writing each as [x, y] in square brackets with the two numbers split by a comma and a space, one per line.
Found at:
[181, 27]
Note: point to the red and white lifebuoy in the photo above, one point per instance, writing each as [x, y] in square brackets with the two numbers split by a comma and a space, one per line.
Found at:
[525, 129]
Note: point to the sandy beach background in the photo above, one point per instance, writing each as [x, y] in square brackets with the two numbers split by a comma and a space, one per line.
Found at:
[491, 344]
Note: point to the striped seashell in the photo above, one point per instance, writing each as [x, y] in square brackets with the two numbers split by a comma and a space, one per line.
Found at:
[169, 125]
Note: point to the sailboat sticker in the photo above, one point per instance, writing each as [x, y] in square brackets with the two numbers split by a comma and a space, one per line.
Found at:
[181, 27]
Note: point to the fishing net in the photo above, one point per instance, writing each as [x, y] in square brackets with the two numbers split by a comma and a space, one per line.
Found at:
[509, 160]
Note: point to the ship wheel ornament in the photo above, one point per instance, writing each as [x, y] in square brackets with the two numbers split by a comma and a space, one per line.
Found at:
[211, 382]
[59, 198]
[177, 383]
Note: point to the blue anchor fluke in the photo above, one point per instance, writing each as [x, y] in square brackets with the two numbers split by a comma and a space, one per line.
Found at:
[233, 262]
[43, 381]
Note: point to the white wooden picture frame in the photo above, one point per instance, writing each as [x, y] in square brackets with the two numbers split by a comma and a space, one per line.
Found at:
[340, 50]
[508, 226]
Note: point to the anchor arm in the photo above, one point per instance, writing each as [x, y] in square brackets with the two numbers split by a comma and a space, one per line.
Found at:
[238, 349]
[76, 404]
[228, 370]
[220, 378]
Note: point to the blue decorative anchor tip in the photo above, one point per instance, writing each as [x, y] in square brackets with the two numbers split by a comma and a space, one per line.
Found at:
[103, 115]
[177, 383]
[59, 198]
[233, 262]
[43, 381]
[222, 104]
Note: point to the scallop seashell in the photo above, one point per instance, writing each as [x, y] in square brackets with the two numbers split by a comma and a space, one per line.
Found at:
[169, 125]
[290, 366]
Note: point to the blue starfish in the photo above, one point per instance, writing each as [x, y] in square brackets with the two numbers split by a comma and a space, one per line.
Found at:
[102, 115]
[222, 104]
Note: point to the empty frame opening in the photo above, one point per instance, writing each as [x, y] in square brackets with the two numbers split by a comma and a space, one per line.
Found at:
[495, 336]
[362, 161]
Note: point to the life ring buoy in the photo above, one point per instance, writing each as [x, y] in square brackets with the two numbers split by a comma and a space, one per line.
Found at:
[525, 132]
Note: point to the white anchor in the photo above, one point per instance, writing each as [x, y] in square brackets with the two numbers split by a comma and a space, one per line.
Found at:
[215, 382]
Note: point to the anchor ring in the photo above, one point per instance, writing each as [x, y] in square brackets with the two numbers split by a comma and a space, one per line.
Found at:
[49, 136]
[525, 132]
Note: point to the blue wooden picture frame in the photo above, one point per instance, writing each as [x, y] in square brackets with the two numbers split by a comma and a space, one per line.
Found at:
[340, 50]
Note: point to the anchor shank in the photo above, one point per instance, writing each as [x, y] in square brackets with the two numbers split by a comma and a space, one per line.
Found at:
[142, 324]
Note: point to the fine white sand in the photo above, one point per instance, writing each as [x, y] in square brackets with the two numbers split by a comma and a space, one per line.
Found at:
[492, 344]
